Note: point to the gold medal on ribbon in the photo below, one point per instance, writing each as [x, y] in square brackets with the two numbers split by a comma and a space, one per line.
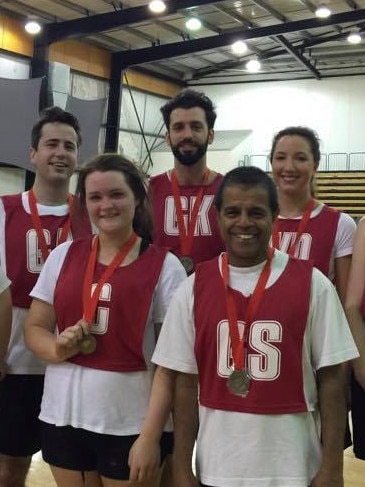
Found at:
[87, 344]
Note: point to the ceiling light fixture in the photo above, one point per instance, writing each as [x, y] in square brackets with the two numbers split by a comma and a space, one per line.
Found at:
[354, 37]
[33, 27]
[323, 11]
[157, 6]
[193, 23]
[239, 47]
[253, 66]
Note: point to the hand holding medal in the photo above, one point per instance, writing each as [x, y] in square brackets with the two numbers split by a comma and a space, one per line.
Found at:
[67, 342]
[87, 343]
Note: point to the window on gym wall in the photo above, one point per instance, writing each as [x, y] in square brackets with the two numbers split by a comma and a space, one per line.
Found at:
[142, 130]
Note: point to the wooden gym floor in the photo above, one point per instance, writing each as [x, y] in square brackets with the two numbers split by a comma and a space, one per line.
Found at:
[40, 475]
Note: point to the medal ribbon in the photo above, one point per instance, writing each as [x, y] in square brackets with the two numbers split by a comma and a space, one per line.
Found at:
[186, 235]
[238, 344]
[302, 225]
[45, 250]
[89, 299]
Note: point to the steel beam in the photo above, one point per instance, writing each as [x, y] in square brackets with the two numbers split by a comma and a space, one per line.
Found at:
[297, 55]
[94, 24]
[140, 56]
[114, 108]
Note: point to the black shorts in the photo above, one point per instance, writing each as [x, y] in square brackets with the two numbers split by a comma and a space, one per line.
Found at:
[358, 419]
[82, 450]
[20, 401]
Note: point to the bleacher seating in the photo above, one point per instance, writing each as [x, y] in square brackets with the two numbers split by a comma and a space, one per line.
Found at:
[344, 190]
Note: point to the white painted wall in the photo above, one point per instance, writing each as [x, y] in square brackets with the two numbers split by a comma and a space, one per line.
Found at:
[335, 108]
[220, 161]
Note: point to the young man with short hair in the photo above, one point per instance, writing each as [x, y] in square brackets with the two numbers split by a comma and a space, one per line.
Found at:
[31, 225]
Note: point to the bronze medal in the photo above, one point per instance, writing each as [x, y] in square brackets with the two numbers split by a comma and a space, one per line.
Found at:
[239, 382]
[188, 264]
[87, 344]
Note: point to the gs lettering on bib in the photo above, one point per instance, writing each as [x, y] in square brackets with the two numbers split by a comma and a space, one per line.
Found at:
[274, 341]
[207, 242]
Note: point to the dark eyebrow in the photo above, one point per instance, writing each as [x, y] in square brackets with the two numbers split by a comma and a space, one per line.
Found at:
[59, 140]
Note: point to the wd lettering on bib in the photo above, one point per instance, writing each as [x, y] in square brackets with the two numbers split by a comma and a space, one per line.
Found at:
[303, 248]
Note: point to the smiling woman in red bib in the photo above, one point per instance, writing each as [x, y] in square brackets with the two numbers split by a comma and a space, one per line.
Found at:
[94, 317]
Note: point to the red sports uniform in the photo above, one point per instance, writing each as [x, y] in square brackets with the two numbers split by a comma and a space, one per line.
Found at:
[207, 242]
[274, 342]
[122, 310]
[22, 250]
[316, 242]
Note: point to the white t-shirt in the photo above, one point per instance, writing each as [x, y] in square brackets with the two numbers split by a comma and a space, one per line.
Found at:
[4, 281]
[254, 450]
[20, 359]
[98, 400]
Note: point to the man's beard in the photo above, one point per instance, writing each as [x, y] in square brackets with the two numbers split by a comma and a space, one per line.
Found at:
[190, 158]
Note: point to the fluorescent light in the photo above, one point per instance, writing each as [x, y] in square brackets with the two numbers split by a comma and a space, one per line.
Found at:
[323, 11]
[157, 6]
[193, 23]
[33, 27]
[354, 38]
[239, 47]
[253, 65]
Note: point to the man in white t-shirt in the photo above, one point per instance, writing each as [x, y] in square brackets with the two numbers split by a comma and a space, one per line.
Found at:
[264, 335]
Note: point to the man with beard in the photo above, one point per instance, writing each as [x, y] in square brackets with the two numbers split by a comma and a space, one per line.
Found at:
[182, 198]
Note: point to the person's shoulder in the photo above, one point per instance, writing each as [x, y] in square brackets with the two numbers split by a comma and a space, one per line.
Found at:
[158, 177]
[321, 282]
[346, 223]
[216, 176]
[280, 259]
[347, 218]
[12, 202]
[361, 224]
[13, 197]
[58, 254]
[80, 242]
[173, 260]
